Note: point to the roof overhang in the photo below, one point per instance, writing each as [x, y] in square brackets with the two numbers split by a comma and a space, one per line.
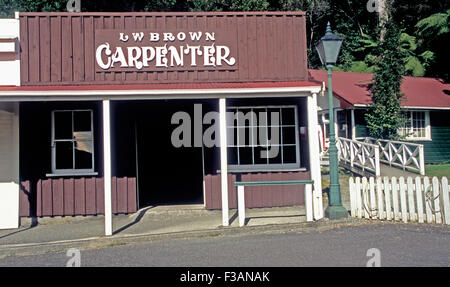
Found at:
[158, 91]
[408, 107]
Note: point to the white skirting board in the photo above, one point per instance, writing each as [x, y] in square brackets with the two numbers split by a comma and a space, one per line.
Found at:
[9, 205]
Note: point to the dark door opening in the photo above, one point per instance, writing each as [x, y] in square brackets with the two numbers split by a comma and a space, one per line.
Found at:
[166, 175]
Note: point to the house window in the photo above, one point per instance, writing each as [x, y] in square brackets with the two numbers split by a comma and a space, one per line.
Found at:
[262, 138]
[417, 126]
[72, 142]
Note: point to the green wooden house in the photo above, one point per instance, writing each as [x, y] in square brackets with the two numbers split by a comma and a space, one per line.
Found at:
[426, 102]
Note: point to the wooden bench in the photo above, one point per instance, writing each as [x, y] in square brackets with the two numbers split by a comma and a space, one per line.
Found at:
[241, 198]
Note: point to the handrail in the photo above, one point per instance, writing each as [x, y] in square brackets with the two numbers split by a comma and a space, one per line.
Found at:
[405, 155]
[362, 155]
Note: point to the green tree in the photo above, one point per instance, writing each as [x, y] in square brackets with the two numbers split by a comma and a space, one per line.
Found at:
[385, 115]
[433, 33]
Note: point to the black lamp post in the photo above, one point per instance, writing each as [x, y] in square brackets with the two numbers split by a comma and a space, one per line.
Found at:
[328, 48]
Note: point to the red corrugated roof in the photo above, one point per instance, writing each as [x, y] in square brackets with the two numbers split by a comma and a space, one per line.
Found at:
[352, 88]
[169, 86]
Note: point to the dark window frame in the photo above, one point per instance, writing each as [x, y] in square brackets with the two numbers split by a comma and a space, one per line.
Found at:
[268, 167]
[72, 171]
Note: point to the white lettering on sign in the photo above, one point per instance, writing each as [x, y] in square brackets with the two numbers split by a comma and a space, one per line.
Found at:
[173, 51]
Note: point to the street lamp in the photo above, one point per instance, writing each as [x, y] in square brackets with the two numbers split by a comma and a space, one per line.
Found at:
[328, 48]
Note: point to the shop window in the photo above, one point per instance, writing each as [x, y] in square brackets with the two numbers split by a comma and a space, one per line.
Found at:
[72, 142]
[417, 126]
[263, 138]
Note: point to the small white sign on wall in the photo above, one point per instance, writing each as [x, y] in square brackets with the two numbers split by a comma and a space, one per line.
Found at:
[9, 205]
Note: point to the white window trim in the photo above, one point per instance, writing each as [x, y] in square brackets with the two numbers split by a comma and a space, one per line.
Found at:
[270, 166]
[427, 127]
[71, 172]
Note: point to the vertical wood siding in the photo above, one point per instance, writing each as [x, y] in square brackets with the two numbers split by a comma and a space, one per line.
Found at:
[257, 196]
[59, 48]
[76, 196]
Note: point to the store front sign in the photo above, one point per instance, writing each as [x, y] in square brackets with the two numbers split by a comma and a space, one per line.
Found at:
[119, 50]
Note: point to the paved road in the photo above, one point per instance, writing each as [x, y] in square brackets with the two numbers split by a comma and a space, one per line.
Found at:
[399, 245]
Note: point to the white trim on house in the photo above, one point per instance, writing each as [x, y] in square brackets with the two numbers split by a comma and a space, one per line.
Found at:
[10, 52]
[314, 154]
[223, 159]
[154, 94]
[427, 127]
[407, 107]
[107, 166]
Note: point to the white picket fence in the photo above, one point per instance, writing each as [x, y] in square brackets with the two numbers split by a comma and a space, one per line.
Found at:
[419, 199]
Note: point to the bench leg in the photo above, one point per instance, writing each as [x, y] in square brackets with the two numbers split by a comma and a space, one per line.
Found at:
[309, 202]
[241, 205]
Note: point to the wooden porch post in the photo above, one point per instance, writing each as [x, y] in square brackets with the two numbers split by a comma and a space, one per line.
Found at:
[353, 124]
[107, 166]
[314, 162]
[223, 159]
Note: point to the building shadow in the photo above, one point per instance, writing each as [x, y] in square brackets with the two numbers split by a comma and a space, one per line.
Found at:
[34, 223]
[135, 221]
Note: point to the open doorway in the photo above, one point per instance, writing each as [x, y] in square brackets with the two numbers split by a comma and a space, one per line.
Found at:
[166, 175]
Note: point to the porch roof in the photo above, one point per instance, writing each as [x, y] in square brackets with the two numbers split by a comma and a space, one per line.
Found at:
[352, 89]
[159, 88]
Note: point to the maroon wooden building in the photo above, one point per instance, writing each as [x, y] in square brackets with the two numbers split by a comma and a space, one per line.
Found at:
[138, 103]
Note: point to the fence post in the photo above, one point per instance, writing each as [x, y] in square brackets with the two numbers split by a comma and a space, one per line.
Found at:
[404, 156]
[445, 200]
[412, 211]
[390, 153]
[351, 185]
[352, 154]
[387, 197]
[395, 198]
[421, 160]
[428, 203]
[377, 161]
[372, 197]
[365, 196]
[358, 197]
[403, 199]
[437, 208]
[380, 198]
[419, 197]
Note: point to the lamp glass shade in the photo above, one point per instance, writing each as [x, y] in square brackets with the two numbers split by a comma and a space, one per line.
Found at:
[329, 47]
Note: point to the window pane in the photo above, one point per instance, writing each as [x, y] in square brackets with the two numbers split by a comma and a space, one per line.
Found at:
[83, 136]
[288, 116]
[244, 117]
[274, 135]
[261, 116]
[83, 154]
[289, 135]
[231, 136]
[63, 125]
[274, 116]
[232, 156]
[245, 137]
[275, 155]
[64, 155]
[259, 153]
[82, 121]
[289, 154]
[245, 155]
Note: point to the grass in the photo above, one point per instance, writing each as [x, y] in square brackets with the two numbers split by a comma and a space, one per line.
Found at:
[438, 170]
